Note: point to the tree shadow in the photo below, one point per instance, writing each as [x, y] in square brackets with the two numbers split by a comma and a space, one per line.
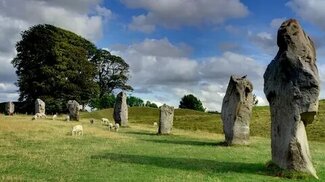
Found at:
[201, 165]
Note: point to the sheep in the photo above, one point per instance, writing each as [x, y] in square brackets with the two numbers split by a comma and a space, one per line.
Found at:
[54, 117]
[105, 121]
[67, 118]
[77, 130]
[40, 115]
[34, 117]
[110, 126]
[155, 124]
[116, 127]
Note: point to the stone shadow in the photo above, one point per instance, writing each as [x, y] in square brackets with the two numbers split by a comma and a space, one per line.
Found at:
[201, 165]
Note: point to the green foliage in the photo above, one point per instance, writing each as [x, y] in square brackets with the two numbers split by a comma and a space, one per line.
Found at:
[134, 101]
[191, 102]
[149, 104]
[112, 72]
[52, 64]
[106, 101]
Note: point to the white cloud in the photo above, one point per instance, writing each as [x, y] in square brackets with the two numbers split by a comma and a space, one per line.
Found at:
[311, 10]
[176, 13]
[165, 78]
[85, 18]
[276, 22]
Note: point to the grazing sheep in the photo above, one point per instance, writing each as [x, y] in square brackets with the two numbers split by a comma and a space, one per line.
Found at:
[105, 121]
[155, 124]
[116, 127]
[54, 117]
[110, 126]
[92, 121]
[40, 115]
[77, 130]
[34, 117]
[67, 118]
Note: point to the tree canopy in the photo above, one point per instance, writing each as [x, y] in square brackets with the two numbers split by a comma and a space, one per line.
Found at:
[191, 102]
[134, 101]
[53, 64]
[112, 72]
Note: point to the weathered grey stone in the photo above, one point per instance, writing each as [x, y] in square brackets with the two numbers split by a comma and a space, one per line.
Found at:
[73, 107]
[237, 110]
[166, 119]
[291, 85]
[39, 106]
[120, 114]
[10, 108]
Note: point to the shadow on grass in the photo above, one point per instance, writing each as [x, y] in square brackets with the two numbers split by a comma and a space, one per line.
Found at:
[202, 165]
[188, 142]
[141, 133]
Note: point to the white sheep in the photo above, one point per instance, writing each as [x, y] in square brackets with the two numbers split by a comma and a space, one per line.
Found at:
[116, 127]
[110, 126]
[67, 118]
[34, 117]
[105, 121]
[155, 124]
[54, 117]
[77, 130]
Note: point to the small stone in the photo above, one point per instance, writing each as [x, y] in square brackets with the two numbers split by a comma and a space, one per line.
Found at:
[73, 107]
[166, 119]
[39, 106]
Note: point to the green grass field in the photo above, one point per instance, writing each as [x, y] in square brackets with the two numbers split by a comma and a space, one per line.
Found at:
[44, 150]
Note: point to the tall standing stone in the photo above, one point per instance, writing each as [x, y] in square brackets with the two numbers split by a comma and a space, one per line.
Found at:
[39, 106]
[166, 119]
[73, 107]
[121, 110]
[291, 85]
[237, 110]
[10, 108]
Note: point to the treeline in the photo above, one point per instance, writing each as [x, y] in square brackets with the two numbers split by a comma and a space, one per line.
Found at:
[57, 65]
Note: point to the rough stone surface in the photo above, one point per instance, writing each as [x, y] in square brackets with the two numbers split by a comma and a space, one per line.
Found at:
[73, 107]
[166, 119]
[120, 114]
[10, 108]
[237, 110]
[291, 85]
[39, 106]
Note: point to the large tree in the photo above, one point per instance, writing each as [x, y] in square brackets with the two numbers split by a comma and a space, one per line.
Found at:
[112, 72]
[53, 64]
[191, 102]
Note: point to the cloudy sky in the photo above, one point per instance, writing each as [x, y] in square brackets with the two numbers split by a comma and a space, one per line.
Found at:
[173, 47]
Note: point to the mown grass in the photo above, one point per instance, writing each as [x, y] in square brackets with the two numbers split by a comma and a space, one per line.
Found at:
[44, 150]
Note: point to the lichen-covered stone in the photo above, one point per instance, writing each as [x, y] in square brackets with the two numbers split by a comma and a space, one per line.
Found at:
[39, 106]
[120, 114]
[73, 107]
[237, 110]
[291, 85]
[166, 119]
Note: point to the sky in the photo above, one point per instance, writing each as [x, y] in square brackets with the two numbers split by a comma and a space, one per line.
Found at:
[173, 47]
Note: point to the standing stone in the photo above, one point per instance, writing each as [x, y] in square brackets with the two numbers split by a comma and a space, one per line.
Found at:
[236, 110]
[291, 85]
[121, 110]
[166, 119]
[39, 106]
[10, 108]
[73, 107]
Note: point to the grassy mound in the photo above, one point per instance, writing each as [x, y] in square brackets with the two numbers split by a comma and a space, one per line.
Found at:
[196, 121]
